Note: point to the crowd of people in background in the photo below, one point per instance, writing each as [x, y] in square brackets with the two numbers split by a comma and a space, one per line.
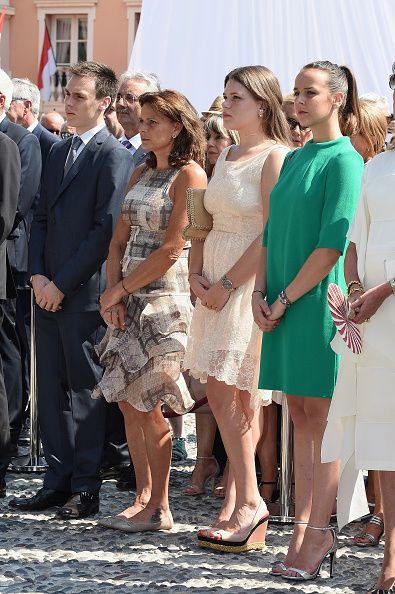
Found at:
[136, 320]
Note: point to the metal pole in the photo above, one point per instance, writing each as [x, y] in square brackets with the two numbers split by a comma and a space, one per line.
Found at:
[33, 462]
[284, 512]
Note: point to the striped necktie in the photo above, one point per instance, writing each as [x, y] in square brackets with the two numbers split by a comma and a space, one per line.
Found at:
[128, 145]
[71, 157]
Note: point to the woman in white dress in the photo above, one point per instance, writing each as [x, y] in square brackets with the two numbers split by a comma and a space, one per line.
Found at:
[361, 422]
[224, 342]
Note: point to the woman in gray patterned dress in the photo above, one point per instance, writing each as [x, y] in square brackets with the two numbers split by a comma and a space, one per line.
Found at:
[147, 303]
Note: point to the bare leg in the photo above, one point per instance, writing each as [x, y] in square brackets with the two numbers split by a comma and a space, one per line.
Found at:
[158, 447]
[177, 426]
[235, 419]
[387, 484]
[303, 472]
[206, 465]
[267, 452]
[138, 453]
[229, 503]
[324, 487]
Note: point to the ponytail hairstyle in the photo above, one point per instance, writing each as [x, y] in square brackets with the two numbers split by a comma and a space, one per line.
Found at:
[264, 87]
[341, 79]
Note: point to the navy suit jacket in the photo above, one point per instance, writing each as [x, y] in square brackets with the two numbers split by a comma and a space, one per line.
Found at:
[10, 175]
[75, 218]
[30, 154]
[46, 140]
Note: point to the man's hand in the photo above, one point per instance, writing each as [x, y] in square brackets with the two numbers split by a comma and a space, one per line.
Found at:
[48, 296]
[38, 283]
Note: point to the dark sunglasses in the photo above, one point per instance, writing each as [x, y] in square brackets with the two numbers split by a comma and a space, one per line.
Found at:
[392, 82]
[53, 131]
[294, 124]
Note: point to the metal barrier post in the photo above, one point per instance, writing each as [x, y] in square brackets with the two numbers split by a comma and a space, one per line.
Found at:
[283, 511]
[33, 462]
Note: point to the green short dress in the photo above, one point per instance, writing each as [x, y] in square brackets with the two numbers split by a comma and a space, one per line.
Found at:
[311, 207]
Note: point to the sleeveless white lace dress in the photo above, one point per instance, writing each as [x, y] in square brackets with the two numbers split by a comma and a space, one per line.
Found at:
[226, 344]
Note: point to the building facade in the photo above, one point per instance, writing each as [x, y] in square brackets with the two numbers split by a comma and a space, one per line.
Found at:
[101, 30]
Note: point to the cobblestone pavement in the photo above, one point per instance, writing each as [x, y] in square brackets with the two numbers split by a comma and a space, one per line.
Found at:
[39, 554]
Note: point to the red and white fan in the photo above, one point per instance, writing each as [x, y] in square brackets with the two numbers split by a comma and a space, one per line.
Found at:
[347, 329]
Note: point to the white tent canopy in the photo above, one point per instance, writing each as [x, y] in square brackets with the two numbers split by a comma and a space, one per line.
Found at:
[192, 44]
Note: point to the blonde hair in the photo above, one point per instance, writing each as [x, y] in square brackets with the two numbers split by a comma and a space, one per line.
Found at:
[373, 126]
[264, 86]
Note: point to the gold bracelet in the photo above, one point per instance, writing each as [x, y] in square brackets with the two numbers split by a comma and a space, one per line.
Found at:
[354, 282]
[355, 290]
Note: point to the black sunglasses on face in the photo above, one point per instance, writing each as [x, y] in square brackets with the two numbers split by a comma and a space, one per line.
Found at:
[392, 82]
[294, 124]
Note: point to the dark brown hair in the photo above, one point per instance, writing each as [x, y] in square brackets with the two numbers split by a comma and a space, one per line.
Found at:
[106, 83]
[189, 145]
[341, 79]
[264, 86]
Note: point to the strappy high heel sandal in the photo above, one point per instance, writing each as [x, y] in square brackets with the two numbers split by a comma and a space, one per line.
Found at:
[304, 576]
[193, 489]
[368, 540]
[381, 591]
[275, 493]
[251, 538]
[279, 568]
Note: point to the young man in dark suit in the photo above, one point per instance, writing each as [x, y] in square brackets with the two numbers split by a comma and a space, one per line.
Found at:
[10, 174]
[81, 194]
[14, 344]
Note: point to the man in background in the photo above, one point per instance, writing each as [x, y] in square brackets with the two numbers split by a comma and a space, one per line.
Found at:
[52, 121]
[10, 174]
[13, 334]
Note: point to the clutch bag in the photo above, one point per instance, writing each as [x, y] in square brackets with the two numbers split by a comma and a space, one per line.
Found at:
[348, 331]
[200, 222]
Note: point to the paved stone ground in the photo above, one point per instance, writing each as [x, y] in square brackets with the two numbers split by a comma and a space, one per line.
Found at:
[39, 554]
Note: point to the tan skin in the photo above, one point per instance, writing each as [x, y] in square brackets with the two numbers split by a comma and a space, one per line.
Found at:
[238, 425]
[318, 109]
[299, 136]
[148, 433]
[84, 111]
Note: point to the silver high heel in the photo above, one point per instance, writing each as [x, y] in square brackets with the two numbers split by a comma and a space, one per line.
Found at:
[303, 575]
[280, 566]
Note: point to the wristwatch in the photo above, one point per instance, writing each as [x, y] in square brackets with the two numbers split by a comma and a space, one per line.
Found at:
[392, 283]
[227, 284]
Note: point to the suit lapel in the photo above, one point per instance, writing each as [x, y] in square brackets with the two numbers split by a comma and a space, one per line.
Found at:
[84, 159]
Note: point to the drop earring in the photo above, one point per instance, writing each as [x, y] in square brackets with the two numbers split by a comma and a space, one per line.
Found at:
[261, 111]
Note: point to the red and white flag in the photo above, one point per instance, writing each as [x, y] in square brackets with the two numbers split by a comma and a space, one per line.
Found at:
[47, 68]
[2, 18]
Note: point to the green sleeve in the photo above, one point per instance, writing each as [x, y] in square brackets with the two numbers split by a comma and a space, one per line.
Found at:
[342, 187]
